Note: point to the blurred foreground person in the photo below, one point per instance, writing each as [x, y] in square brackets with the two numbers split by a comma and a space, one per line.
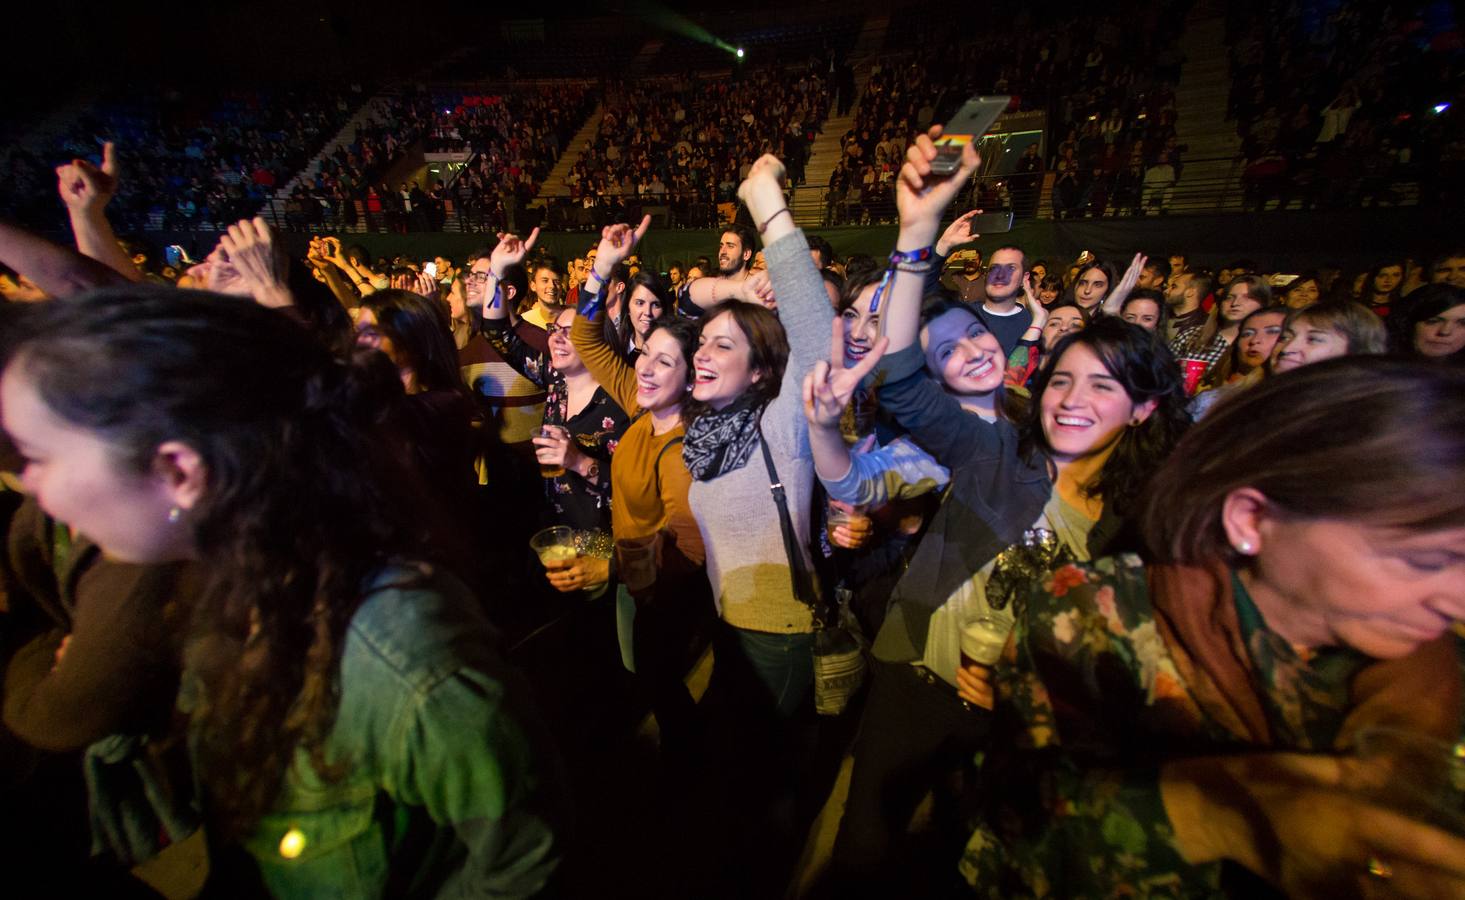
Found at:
[353, 728]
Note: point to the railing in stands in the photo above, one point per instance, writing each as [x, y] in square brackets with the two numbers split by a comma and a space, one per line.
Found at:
[1204, 186]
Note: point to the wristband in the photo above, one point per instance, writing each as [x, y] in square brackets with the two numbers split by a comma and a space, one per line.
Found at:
[590, 302]
[922, 255]
[917, 262]
[764, 227]
[918, 268]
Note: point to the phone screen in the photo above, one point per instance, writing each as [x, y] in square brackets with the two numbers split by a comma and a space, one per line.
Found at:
[430, 269]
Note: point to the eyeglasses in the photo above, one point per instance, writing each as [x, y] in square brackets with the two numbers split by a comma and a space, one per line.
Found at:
[554, 328]
[477, 277]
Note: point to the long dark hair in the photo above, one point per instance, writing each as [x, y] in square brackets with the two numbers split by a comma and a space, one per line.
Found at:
[653, 283]
[421, 331]
[304, 499]
[1071, 294]
[1424, 303]
[1142, 364]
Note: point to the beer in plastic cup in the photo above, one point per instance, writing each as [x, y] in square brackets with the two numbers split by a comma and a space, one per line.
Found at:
[983, 638]
[636, 559]
[554, 546]
[550, 470]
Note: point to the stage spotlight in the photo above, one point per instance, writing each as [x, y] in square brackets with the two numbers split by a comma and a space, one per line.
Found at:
[740, 53]
[1438, 108]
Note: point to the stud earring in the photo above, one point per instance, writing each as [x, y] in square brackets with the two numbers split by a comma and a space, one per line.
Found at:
[174, 515]
[1244, 547]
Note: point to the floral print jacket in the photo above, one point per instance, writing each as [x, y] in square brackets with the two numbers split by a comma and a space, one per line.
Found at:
[596, 430]
[1090, 703]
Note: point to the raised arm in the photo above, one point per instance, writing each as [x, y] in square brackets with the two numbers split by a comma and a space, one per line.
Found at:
[803, 304]
[827, 391]
[509, 251]
[607, 366]
[959, 232]
[86, 189]
[707, 292]
[935, 418]
[1115, 301]
[57, 270]
[920, 196]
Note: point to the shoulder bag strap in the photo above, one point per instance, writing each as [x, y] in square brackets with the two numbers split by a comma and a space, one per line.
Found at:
[798, 575]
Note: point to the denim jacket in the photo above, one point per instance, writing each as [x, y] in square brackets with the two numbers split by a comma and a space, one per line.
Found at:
[451, 788]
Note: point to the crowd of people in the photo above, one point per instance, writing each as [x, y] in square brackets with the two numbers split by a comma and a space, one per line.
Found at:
[193, 161]
[1347, 104]
[1152, 570]
[685, 143]
[1108, 91]
[513, 138]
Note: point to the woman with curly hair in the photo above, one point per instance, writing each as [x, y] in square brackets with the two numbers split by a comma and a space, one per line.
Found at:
[352, 725]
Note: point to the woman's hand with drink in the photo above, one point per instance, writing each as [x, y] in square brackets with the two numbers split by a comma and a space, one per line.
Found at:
[579, 574]
[556, 452]
[974, 685]
[849, 527]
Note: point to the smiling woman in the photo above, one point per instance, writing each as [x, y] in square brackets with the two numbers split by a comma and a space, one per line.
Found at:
[1052, 485]
[650, 481]
[171, 424]
[1299, 597]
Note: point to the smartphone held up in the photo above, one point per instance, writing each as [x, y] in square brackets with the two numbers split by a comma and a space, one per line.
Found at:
[968, 126]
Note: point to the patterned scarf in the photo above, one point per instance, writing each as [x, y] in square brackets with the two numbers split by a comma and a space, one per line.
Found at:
[719, 442]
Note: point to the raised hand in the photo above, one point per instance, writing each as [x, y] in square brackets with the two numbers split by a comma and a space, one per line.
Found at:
[1116, 298]
[829, 385]
[921, 195]
[758, 288]
[1035, 306]
[958, 233]
[426, 285]
[510, 251]
[250, 248]
[86, 188]
[616, 243]
[762, 191]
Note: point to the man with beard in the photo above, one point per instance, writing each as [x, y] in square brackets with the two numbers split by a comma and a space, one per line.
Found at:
[1185, 295]
[1208, 342]
[1000, 312]
[1155, 275]
[969, 284]
[734, 265]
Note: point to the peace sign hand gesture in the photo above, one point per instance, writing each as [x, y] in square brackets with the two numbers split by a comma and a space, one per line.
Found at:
[829, 385]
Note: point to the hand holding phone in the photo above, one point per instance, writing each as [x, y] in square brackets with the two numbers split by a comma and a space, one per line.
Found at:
[968, 125]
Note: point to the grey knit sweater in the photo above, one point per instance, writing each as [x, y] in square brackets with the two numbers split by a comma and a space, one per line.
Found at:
[735, 512]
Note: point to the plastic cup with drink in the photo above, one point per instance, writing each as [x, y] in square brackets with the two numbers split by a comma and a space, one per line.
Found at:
[1195, 369]
[636, 562]
[851, 518]
[551, 470]
[983, 638]
[555, 546]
